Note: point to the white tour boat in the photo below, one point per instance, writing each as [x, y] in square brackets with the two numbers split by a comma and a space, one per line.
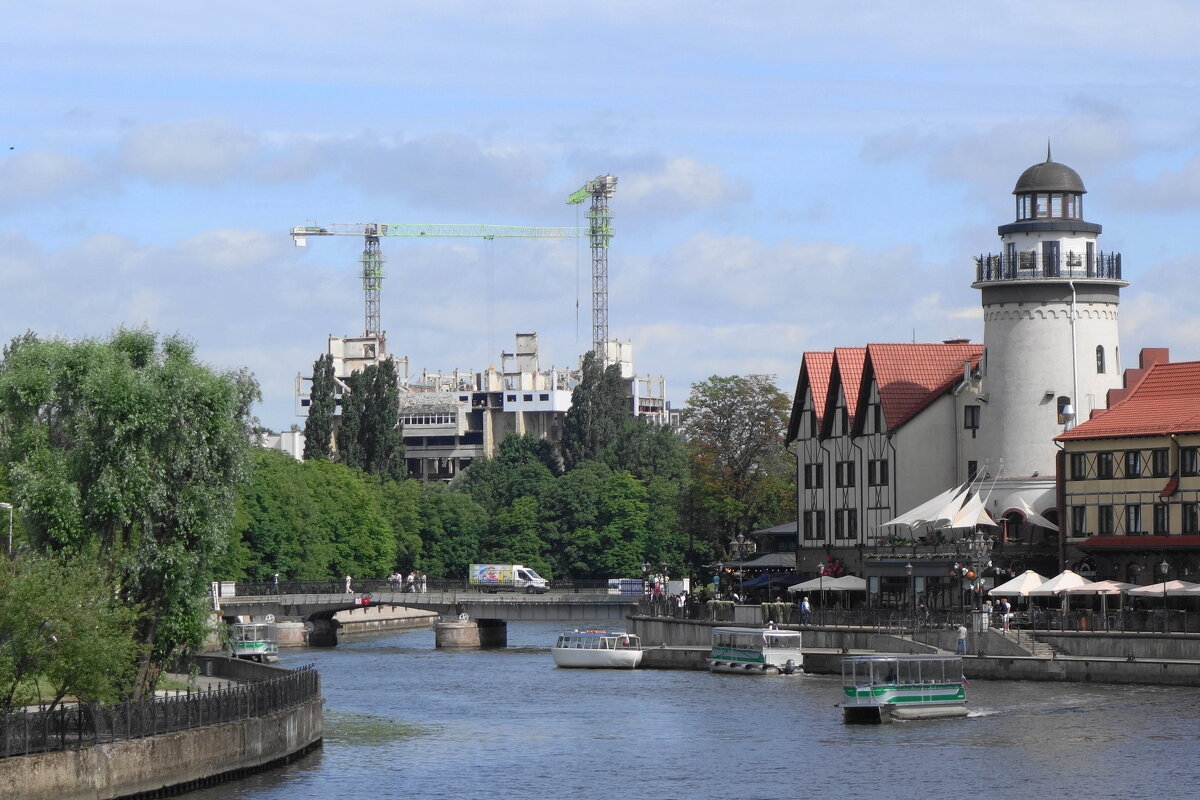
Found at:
[597, 649]
[755, 651]
[882, 688]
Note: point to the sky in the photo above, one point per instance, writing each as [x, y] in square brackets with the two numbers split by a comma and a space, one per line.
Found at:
[792, 176]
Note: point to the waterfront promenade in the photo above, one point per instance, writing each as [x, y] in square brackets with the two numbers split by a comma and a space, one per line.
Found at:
[1170, 659]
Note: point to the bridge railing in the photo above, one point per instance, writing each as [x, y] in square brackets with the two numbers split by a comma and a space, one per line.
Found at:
[85, 724]
[373, 585]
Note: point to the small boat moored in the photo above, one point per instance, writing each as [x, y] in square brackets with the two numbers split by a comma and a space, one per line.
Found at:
[885, 687]
[255, 641]
[755, 651]
[597, 649]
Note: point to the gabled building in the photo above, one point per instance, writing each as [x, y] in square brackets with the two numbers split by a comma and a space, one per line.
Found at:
[1130, 477]
[879, 422]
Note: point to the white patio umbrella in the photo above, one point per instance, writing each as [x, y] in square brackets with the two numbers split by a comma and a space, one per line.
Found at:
[814, 585]
[848, 583]
[1060, 583]
[1167, 589]
[1104, 589]
[1020, 585]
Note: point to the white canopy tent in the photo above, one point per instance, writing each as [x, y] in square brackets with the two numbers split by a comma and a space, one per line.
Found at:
[1035, 517]
[931, 512]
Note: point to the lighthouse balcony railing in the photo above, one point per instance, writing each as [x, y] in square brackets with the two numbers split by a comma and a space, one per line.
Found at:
[1028, 265]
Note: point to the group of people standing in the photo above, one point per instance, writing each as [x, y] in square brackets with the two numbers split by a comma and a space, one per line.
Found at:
[413, 582]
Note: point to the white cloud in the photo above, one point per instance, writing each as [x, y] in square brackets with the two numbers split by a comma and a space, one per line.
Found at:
[201, 151]
[679, 185]
[37, 174]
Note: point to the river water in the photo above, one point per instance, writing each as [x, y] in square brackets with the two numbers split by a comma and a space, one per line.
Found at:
[403, 719]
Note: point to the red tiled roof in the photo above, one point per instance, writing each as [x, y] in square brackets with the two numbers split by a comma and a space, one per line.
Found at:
[1166, 400]
[815, 369]
[820, 367]
[848, 367]
[911, 376]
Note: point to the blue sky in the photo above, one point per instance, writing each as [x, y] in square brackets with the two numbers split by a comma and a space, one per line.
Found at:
[792, 176]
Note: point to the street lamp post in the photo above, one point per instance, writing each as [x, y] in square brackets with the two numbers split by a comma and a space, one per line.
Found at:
[912, 602]
[10, 516]
[1163, 570]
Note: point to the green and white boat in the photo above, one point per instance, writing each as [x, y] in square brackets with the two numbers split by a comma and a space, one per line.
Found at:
[755, 651]
[885, 687]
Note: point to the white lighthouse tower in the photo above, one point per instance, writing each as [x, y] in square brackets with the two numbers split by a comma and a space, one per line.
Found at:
[1050, 301]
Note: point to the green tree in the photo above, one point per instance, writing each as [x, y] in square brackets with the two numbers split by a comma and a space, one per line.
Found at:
[740, 479]
[370, 436]
[318, 427]
[452, 527]
[62, 627]
[131, 451]
[313, 520]
[598, 413]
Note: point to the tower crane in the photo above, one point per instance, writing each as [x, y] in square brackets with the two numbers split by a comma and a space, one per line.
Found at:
[599, 231]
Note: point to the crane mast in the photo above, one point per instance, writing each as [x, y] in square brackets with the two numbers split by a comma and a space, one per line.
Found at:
[599, 231]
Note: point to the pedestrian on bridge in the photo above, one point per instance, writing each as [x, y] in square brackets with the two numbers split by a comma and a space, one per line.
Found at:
[348, 589]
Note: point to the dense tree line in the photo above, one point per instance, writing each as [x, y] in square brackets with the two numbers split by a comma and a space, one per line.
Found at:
[619, 493]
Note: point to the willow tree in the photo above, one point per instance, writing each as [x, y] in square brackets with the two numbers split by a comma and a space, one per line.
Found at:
[129, 451]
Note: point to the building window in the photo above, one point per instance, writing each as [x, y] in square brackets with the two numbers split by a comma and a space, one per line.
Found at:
[844, 416]
[1104, 466]
[1079, 520]
[1162, 518]
[1063, 403]
[845, 474]
[1133, 519]
[1133, 463]
[814, 525]
[812, 424]
[544, 397]
[1191, 521]
[1099, 359]
[971, 417]
[877, 417]
[972, 470]
[814, 476]
[845, 523]
[1104, 520]
[1188, 464]
[877, 472]
[1160, 463]
[1078, 466]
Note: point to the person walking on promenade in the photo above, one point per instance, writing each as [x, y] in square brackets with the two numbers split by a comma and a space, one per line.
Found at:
[961, 648]
[805, 611]
[275, 583]
[348, 589]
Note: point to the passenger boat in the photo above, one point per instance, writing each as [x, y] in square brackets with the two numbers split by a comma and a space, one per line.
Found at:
[597, 649]
[886, 687]
[755, 651]
[256, 641]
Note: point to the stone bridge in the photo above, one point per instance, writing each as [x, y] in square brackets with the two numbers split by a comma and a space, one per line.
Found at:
[318, 609]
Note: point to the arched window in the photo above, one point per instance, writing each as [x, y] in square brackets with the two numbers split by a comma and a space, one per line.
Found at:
[1099, 359]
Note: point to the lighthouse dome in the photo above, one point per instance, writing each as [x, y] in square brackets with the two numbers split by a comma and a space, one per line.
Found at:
[1049, 176]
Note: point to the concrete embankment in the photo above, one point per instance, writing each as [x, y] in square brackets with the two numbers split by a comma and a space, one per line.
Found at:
[170, 763]
[1095, 657]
